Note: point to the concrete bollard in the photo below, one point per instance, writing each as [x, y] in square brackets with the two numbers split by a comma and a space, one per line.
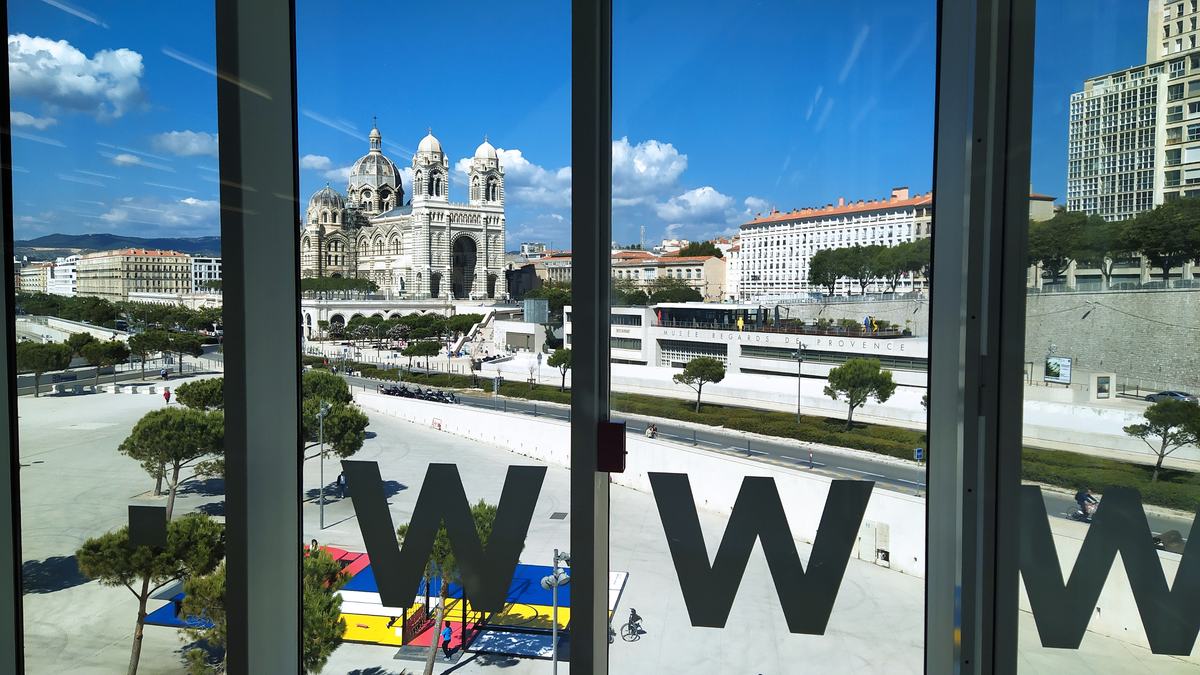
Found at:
[133, 389]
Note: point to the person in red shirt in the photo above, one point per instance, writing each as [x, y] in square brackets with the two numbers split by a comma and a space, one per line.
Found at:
[166, 396]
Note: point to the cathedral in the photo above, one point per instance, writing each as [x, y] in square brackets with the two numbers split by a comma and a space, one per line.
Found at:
[426, 247]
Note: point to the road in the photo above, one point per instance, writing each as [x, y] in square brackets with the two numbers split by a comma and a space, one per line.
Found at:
[906, 477]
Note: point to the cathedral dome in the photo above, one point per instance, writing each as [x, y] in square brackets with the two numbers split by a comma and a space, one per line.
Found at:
[373, 164]
[429, 144]
[326, 198]
[485, 151]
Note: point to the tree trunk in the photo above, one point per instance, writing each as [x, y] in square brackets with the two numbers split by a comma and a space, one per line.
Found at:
[158, 481]
[180, 363]
[698, 390]
[1162, 454]
[850, 418]
[173, 488]
[139, 627]
[563, 386]
[97, 382]
[438, 615]
[143, 362]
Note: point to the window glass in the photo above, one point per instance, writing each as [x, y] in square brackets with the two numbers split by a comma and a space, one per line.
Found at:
[1108, 456]
[800, 189]
[119, 332]
[436, 370]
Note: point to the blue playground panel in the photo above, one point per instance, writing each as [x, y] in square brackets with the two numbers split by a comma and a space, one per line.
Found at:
[168, 615]
[515, 643]
[525, 587]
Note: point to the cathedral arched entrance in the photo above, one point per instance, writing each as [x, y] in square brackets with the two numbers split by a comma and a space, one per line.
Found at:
[462, 266]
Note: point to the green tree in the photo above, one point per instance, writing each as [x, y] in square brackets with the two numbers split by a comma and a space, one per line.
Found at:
[1170, 425]
[39, 358]
[205, 394]
[322, 328]
[461, 323]
[149, 342]
[195, 545]
[426, 348]
[889, 264]
[1168, 236]
[1054, 243]
[823, 270]
[345, 427]
[321, 607]
[857, 380]
[561, 359]
[443, 565]
[701, 248]
[105, 354]
[325, 386]
[627, 292]
[672, 289]
[558, 295]
[77, 341]
[166, 440]
[1101, 244]
[185, 343]
[699, 372]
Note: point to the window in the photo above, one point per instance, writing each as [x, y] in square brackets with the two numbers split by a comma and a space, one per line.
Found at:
[625, 343]
[1174, 92]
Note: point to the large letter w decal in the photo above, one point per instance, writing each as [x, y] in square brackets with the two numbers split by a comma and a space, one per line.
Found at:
[486, 572]
[1171, 616]
[807, 597]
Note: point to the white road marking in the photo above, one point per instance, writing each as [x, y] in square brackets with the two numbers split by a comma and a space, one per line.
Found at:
[865, 473]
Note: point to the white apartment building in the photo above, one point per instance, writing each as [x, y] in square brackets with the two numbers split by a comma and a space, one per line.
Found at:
[1134, 135]
[533, 250]
[733, 271]
[775, 249]
[63, 278]
[205, 270]
[116, 274]
[705, 274]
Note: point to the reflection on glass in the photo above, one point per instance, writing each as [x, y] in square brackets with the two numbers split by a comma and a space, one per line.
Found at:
[1110, 417]
[119, 335]
[770, 334]
[435, 265]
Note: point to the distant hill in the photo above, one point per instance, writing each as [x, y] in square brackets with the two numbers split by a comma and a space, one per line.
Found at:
[53, 245]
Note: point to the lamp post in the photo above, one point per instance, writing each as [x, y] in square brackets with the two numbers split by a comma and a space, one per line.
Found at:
[552, 582]
[539, 367]
[324, 410]
[800, 347]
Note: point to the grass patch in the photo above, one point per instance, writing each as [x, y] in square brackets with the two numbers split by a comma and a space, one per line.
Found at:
[1174, 489]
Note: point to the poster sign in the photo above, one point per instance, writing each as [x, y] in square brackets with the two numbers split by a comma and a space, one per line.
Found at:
[1058, 370]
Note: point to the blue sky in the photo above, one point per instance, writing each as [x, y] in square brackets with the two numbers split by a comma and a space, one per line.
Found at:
[719, 114]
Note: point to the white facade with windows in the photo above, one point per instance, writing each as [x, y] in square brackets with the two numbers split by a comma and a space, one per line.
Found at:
[205, 270]
[775, 249]
[63, 279]
[1134, 135]
[427, 247]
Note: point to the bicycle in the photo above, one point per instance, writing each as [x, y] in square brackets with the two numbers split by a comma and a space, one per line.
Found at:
[632, 630]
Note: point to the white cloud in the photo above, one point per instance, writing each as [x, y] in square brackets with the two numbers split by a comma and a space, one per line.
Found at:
[131, 159]
[756, 204]
[318, 162]
[186, 143]
[340, 174]
[58, 74]
[644, 169]
[24, 119]
[182, 217]
[701, 205]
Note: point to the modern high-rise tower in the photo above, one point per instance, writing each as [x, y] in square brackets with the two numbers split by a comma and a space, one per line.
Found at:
[1134, 135]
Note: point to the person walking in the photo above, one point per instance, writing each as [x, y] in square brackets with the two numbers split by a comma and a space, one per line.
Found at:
[446, 635]
[341, 484]
[163, 373]
[166, 396]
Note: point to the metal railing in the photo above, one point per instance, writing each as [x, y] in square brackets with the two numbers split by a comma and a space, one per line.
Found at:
[835, 331]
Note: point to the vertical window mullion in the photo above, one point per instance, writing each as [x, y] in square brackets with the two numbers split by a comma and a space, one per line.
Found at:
[259, 211]
[591, 236]
[11, 642]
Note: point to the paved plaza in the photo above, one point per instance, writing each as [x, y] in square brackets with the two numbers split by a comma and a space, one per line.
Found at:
[75, 485]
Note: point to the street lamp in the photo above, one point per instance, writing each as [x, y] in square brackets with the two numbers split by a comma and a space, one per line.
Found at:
[321, 414]
[539, 367]
[800, 347]
[551, 583]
